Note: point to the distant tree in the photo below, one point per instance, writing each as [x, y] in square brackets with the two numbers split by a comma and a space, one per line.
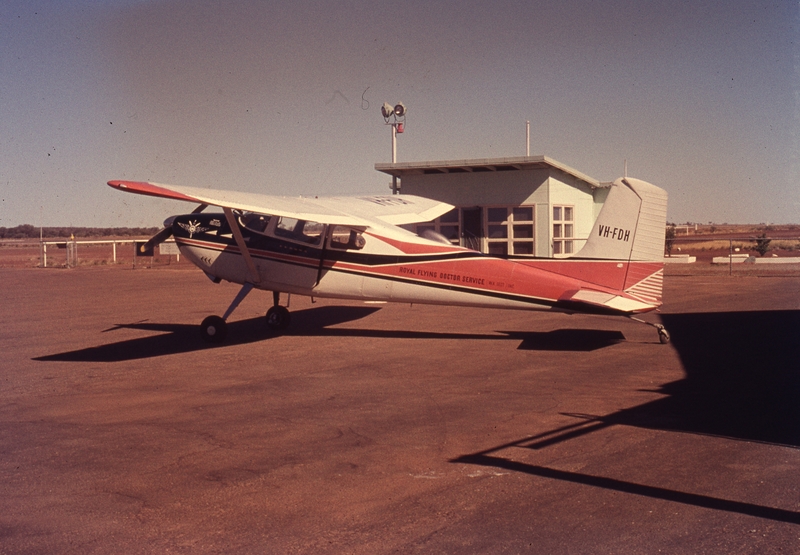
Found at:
[762, 244]
[669, 239]
[27, 231]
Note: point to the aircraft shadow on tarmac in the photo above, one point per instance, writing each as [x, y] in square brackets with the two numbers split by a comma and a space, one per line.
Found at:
[314, 322]
[742, 382]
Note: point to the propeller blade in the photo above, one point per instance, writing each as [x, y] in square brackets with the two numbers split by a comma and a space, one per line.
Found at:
[157, 239]
[166, 233]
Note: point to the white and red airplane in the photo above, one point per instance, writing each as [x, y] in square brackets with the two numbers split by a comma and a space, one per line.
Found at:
[353, 248]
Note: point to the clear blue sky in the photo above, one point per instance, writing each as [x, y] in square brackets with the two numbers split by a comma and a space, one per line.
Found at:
[701, 98]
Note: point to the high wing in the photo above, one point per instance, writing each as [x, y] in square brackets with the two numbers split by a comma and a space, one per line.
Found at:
[349, 211]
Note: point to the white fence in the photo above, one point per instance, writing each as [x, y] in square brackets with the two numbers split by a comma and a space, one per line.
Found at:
[72, 249]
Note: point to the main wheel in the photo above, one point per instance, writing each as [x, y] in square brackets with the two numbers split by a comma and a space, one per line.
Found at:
[278, 317]
[213, 329]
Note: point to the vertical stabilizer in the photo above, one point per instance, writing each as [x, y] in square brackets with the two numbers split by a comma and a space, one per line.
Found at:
[631, 224]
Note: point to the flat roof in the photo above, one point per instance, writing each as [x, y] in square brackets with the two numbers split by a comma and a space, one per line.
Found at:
[484, 165]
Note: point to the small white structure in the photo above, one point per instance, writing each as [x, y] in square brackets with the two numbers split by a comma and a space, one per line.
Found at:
[680, 259]
[521, 206]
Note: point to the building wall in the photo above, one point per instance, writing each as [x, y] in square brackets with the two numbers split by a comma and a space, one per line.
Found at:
[544, 229]
[600, 196]
[480, 188]
[566, 190]
[543, 188]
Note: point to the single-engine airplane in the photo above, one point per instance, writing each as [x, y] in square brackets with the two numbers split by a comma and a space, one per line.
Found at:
[354, 248]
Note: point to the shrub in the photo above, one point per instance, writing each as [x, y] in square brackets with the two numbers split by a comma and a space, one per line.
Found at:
[762, 244]
[669, 239]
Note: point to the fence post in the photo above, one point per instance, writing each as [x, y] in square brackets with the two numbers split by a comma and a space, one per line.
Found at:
[730, 257]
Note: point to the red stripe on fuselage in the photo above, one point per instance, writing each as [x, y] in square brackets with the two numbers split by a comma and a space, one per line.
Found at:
[417, 248]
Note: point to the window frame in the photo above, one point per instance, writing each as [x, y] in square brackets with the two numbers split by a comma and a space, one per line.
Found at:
[563, 243]
[511, 244]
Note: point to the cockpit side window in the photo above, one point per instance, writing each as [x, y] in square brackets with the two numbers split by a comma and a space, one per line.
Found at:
[299, 230]
[254, 222]
[346, 238]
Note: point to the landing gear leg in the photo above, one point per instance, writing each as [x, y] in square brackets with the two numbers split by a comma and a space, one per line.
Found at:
[663, 334]
[278, 317]
[214, 329]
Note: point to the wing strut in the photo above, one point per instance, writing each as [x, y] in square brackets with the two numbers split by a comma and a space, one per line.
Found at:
[246, 288]
[237, 235]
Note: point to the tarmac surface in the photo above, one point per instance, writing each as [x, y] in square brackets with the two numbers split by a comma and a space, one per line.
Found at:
[374, 428]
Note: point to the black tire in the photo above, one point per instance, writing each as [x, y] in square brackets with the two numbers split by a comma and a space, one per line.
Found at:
[213, 329]
[278, 318]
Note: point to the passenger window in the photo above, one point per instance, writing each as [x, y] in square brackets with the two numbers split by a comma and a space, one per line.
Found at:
[299, 230]
[346, 238]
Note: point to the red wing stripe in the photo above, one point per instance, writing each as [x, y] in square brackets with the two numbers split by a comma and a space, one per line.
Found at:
[151, 189]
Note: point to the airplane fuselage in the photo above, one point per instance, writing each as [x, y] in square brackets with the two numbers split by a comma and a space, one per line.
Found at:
[376, 264]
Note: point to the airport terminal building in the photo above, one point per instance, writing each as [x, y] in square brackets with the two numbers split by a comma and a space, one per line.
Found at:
[523, 206]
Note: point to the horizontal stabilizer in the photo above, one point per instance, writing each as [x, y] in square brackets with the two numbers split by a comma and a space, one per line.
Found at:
[610, 301]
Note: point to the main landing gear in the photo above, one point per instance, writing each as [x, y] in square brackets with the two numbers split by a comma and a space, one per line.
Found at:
[663, 334]
[278, 317]
[215, 329]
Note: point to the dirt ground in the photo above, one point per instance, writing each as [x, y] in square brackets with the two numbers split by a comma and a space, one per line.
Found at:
[392, 428]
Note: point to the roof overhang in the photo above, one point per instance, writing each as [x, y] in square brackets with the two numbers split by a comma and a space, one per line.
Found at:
[518, 163]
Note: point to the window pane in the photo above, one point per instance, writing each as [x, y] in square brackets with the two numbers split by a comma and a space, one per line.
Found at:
[340, 236]
[286, 225]
[567, 230]
[500, 249]
[299, 230]
[568, 213]
[498, 231]
[496, 214]
[450, 217]
[523, 231]
[450, 231]
[346, 238]
[568, 247]
[312, 232]
[256, 222]
[556, 213]
[523, 248]
[556, 247]
[556, 230]
[523, 214]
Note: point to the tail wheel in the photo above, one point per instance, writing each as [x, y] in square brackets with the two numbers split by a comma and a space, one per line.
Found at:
[213, 329]
[663, 336]
[278, 318]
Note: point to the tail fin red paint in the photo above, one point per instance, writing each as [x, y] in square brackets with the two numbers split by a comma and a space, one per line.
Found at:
[624, 254]
[630, 230]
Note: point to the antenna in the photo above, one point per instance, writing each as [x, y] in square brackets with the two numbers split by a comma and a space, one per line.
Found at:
[528, 138]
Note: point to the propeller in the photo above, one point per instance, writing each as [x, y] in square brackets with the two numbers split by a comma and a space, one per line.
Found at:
[166, 233]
